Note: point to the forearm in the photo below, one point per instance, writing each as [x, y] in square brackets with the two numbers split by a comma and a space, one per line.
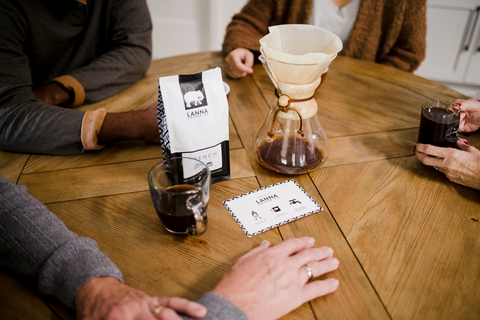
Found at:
[122, 126]
[33, 241]
[27, 124]
[133, 125]
[112, 72]
[31, 126]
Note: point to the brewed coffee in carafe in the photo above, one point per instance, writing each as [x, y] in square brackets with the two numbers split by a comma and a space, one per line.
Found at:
[292, 139]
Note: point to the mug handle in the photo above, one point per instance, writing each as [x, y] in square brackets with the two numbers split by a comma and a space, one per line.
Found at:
[199, 227]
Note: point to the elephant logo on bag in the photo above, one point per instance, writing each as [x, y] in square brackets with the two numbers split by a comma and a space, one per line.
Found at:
[193, 92]
[193, 97]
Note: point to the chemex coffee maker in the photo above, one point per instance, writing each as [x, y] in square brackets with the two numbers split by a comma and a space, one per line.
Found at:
[292, 139]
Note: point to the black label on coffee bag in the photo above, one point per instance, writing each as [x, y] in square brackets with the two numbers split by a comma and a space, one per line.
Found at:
[193, 91]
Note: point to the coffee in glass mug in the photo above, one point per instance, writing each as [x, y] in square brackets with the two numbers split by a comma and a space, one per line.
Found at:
[439, 123]
[180, 190]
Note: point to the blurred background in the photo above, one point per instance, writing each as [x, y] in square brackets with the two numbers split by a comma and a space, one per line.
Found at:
[453, 35]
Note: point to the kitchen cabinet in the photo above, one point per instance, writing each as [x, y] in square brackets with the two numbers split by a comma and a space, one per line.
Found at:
[453, 42]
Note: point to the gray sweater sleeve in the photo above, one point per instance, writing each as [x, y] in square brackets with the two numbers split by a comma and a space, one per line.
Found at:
[31, 126]
[34, 242]
[28, 125]
[129, 54]
[219, 308]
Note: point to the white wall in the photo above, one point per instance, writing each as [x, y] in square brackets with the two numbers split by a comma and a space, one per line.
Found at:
[188, 26]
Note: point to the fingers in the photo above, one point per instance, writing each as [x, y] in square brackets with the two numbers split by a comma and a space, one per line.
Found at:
[263, 246]
[181, 305]
[292, 246]
[234, 72]
[430, 150]
[238, 70]
[319, 288]
[312, 255]
[462, 144]
[319, 268]
[239, 62]
[248, 62]
[242, 65]
[467, 105]
[168, 314]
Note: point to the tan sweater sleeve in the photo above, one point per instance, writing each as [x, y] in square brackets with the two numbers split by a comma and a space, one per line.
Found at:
[409, 48]
[251, 24]
[248, 26]
[91, 125]
[75, 87]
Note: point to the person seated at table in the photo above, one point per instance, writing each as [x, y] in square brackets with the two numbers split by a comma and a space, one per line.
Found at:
[460, 165]
[266, 283]
[392, 33]
[58, 55]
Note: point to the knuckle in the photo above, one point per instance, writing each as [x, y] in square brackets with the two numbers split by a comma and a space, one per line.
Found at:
[429, 149]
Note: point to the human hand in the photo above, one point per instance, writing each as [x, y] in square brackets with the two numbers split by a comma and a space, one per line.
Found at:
[107, 298]
[460, 165]
[52, 93]
[470, 117]
[238, 63]
[267, 283]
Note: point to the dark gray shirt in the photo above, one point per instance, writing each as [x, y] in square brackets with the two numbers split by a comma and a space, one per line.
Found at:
[105, 45]
[34, 242]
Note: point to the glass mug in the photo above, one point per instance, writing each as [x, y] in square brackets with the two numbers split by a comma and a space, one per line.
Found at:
[439, 124]
[180, 190]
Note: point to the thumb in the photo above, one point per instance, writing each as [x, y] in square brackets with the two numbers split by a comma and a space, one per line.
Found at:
[462, 145]
[263, 246]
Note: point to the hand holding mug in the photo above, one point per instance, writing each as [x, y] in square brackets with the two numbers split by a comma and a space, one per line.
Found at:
[460, 165]
[470, 119]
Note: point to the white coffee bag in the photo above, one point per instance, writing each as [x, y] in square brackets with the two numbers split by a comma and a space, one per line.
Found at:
[193, 120]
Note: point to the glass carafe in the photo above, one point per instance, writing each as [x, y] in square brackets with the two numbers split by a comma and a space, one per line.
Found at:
[292, 139]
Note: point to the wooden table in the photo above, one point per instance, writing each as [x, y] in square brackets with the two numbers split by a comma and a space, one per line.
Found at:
[407, 238]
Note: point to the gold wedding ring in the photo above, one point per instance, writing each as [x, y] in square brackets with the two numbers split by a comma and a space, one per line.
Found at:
[156, 311]
[309, 271]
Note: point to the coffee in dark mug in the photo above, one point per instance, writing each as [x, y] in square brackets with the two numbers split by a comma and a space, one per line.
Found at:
[180, 189]
[439, 124]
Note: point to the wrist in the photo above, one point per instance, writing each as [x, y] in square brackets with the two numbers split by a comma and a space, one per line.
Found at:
[90, 290]
[234, 298]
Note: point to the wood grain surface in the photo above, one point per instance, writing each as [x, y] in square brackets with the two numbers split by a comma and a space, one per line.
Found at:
[407, 238]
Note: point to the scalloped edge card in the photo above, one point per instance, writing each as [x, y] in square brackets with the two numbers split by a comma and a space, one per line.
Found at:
[269, 207]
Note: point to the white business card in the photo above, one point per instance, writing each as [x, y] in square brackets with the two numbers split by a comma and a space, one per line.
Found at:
[269, 207]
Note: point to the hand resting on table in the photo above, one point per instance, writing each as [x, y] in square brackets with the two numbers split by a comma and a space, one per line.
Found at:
[269, 282]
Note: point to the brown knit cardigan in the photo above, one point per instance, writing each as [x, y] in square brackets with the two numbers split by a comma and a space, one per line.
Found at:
[390, 32]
